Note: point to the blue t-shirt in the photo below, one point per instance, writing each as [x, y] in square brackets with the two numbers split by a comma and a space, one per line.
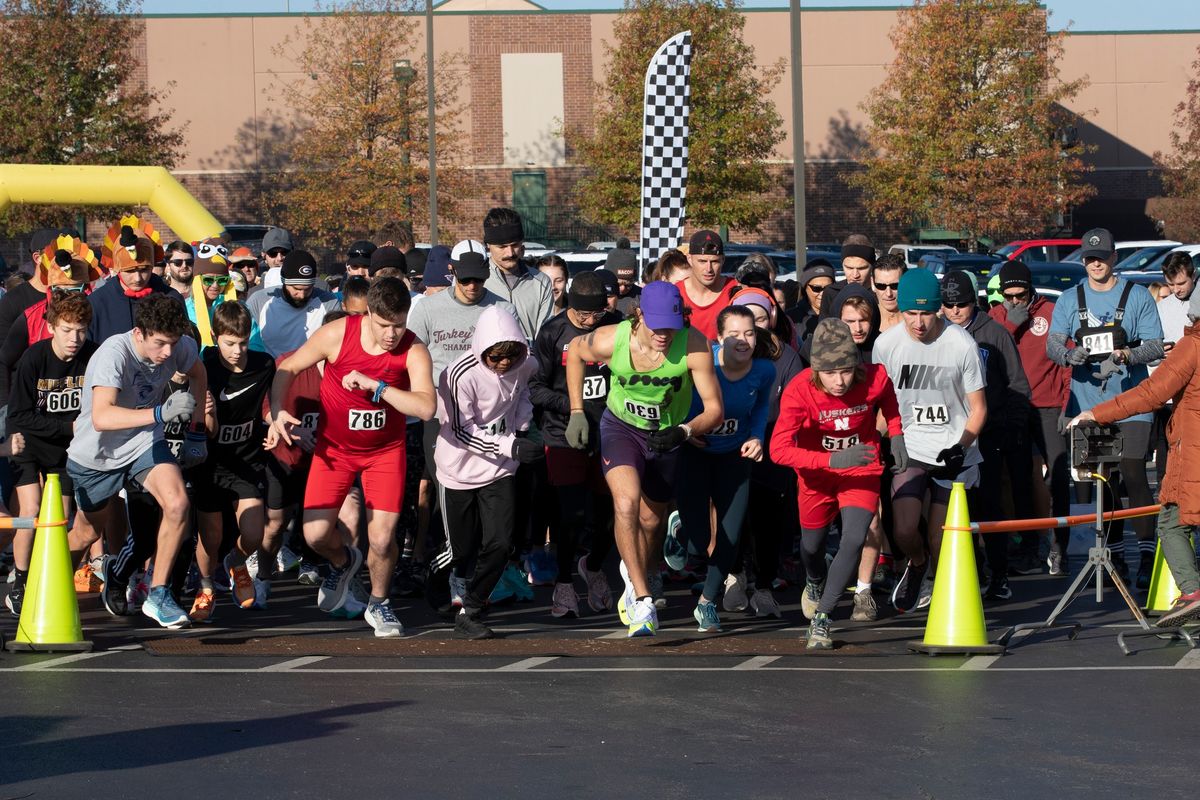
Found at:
[747, 402]
[1141, 322]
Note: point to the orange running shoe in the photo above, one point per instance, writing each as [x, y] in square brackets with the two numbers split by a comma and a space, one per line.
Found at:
[203, 606]
[86, 580]
[242, 586]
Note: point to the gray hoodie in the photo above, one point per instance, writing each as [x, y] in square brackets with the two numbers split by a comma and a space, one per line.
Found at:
[446, 325]
[532, 295]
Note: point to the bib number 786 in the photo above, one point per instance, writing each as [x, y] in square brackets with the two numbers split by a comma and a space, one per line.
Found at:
[368, 420]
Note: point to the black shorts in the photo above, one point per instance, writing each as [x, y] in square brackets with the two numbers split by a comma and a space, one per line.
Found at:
[27, 473]
[220, 489]
[285, 486]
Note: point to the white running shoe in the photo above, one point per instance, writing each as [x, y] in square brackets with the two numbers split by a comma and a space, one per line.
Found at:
[286, 559]
[643, 619]
[380, 617]
[625, 603]
[735, 593]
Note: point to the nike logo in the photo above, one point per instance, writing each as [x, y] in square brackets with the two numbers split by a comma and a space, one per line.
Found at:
[227, 396]
[607, 461]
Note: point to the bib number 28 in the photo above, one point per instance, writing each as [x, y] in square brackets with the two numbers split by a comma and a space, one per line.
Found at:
[372, 420]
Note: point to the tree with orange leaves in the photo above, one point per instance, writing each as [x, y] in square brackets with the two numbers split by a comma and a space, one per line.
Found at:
[969, 128]
[359, 161]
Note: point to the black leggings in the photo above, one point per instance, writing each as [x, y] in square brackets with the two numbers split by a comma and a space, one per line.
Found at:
[724, 479]
[1053, 446]
[578, 508]
[142, 542]
[855, 522]
[479, 524]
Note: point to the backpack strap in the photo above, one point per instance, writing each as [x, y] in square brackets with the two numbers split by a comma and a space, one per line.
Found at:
[1120, 312]
[1082, 303]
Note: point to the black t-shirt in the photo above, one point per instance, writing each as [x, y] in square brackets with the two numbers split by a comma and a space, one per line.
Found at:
[548, 386]
[239, 397]
[12, 310]
[46, 394]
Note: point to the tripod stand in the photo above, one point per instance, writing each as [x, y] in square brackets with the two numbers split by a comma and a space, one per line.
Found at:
[1098, 564]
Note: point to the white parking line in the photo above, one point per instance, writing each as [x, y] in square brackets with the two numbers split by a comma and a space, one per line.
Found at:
[1190, 660]
[284, 666]
[980, 662]
[58, 662]
[756, 662]
[528, 663]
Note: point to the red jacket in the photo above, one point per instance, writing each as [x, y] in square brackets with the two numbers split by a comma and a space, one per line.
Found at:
[1049, 384]
[814, 424]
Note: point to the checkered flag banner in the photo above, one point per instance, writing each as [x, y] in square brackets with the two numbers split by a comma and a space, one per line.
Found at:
[665, 146]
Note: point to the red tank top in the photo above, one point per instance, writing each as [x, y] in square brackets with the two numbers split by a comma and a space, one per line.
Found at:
[349, 421]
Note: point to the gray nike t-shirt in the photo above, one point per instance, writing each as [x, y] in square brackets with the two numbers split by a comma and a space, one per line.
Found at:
[116, 364]
[932, 382]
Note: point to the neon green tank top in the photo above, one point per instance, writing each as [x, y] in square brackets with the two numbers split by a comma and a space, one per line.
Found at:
[650, 400]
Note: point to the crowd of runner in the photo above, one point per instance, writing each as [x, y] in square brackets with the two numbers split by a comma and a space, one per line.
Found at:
[464, 424]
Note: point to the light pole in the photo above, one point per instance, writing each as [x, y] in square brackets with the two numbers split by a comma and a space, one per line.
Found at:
[433, 231]
[403, 72]
[798, 177]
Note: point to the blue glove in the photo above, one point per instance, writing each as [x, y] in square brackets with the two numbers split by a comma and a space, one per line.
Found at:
[195, 450]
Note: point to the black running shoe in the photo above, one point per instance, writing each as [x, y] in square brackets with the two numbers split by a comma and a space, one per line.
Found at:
[908, 588]
[15, 597]
[468, 626]
[113, 594]
[998, 590]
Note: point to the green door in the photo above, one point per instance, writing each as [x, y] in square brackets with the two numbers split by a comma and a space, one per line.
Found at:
[529, 200]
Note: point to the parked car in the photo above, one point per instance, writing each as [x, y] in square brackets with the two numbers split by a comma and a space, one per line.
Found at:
[978, 264]
[246, 236]
[1038, 251]
[1191, 249]
[1052, 280]
[1125, 249]
[912, 252]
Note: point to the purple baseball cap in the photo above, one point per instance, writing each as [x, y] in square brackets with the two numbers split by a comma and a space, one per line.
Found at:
[662, 307]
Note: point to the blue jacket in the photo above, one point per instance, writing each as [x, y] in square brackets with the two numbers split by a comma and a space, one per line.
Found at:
[112, 311]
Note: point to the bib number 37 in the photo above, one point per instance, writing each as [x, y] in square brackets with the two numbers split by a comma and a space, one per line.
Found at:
[370, 420]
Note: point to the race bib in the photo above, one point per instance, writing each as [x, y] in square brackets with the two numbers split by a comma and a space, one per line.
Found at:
[727, 428]
[233, 434]
[176, 446]
[595, 387]
[66, 400]
[833, 443]
[641, 411]
[372, 420]
[1099, 344]
[931, 415]
[309, 421]
[497, 428]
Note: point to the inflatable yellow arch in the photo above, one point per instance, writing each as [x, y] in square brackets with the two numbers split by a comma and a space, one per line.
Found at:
[109, 186]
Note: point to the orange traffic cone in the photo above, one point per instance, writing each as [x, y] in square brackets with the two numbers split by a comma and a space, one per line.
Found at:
[955, 623]
[50, 613]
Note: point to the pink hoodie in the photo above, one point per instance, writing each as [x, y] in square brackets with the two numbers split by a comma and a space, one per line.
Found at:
[481, 411]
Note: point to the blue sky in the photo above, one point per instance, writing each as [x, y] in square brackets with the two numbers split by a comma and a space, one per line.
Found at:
[1080, 15]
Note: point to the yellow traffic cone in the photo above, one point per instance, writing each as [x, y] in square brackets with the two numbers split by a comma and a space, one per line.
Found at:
[955, 623]
[50, 613]
[1163, 591]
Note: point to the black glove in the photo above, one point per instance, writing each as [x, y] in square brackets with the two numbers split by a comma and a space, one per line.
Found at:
[953, 458]
[1077, 356]
[1016, 315]
[899, 454]
[859, 455]
[667, 439]
[577, 430]
[526, 451]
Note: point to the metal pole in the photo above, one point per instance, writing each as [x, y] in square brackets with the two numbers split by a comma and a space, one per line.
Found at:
[798, 177]
[433, 230]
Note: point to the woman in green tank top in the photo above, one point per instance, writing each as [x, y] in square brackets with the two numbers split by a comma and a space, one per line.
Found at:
[654, 361]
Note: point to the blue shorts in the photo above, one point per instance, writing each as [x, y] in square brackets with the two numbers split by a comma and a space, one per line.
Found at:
[622, 445]
[94, 488]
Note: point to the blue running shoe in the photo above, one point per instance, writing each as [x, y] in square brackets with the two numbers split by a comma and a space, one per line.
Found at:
[334, 588]
[674, 550]
[518, 581]
[161, 607]
[706, 617]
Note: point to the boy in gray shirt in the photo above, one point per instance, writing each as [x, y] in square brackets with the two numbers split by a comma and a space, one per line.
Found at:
[119, 437]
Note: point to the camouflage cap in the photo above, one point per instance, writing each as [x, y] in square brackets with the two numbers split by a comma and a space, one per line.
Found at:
[833, 346]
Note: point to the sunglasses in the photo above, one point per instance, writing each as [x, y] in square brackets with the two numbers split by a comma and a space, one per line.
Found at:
[182, 262]
[493, 358]
[883, 287]
[816, 289]
[1017, 296]
[470, 281]
[67, 289]
[276, 252]
[220, 281]
[958, 305]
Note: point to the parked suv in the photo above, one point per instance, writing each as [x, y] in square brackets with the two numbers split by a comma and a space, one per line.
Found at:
[1038, 251]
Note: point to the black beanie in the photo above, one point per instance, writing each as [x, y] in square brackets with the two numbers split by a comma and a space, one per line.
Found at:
[957, 289]
[299, 268]
[1016, 275]
[387, 256]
